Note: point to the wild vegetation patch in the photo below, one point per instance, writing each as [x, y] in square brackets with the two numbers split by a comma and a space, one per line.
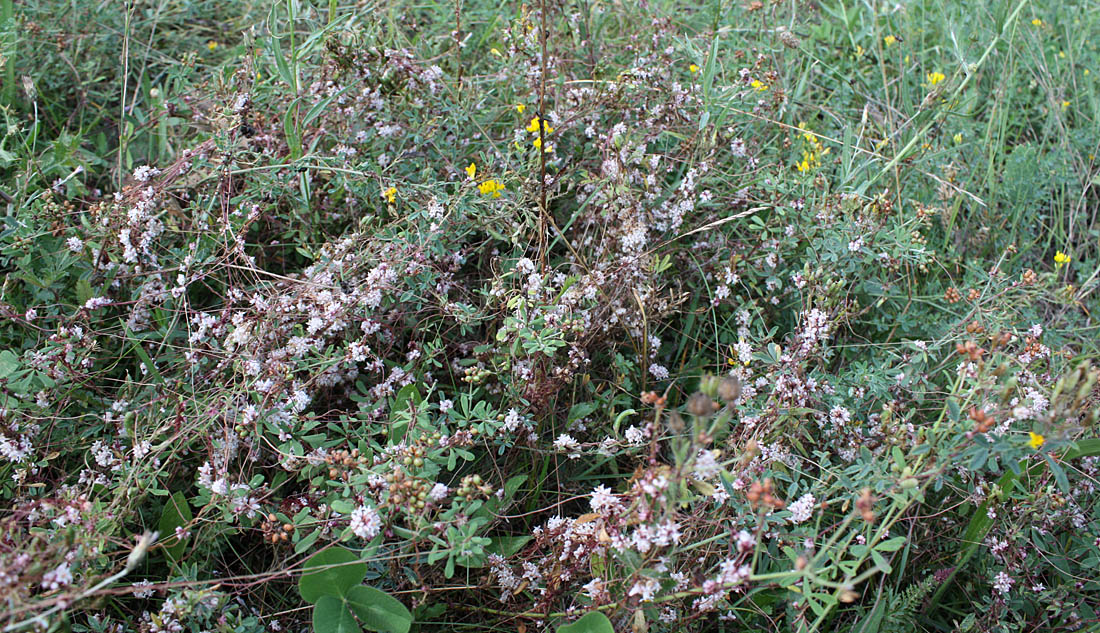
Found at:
[570, 316]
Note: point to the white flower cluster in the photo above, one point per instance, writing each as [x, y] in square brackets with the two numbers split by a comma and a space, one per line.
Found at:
[365, 522]
[802, 509]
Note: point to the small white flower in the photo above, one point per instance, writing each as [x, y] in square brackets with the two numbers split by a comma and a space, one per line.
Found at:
[365, 522]
[802, 509]
[141, 589]
[566, 443]
[1002, 582]
[57, 578]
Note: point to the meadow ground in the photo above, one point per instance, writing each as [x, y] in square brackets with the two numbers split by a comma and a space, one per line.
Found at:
[573, 315]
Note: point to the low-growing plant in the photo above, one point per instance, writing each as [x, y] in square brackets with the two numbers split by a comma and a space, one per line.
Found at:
[582, 316]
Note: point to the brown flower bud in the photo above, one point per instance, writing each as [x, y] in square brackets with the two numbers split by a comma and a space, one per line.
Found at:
[788, 39]
[700, 405]
[675, 422]
[729, 389]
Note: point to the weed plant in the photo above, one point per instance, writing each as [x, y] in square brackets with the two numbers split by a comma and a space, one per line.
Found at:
[577, 316]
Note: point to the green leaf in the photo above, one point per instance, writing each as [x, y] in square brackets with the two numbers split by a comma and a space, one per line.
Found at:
[307, 542]
[591, 622]
[1059, 474]
[9, 363]
[176, 514]
[83, 291]
[1084, 448]
[333, 572]
[343, 506]
[953, 408]
[873, 620]
[880, 561]
[142, 354]
[404, 396]
[506, 546]
[891, 545]
[378, 610]
[331, 615]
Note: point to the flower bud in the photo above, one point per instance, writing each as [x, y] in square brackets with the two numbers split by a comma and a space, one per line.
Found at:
[700, 405]
[729, 389]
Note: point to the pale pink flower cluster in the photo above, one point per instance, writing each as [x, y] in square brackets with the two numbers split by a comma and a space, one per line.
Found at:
[365, 522]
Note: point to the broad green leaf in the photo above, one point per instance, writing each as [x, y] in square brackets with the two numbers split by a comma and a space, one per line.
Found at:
[1084, 448]
[378, 610]
[331, 572]
[591, 622]
[176, 514]
[331, 615]
[506, 546]
[9, 363]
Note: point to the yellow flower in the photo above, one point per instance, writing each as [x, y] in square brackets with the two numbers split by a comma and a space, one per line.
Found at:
[859, 51]
[471, 171]
[693, 68]
[211, 45]
[1036, 22]
[390, 195]
[958, 138]
[1065, 104]
[533, 126]
[806, 134]
[759, 85]
[538, 143]
[1061, 259]
[890, 40]
[520, 108]
[1036, 440]
[494, 52]
[935, 78]
[1062, 54]
[490, 188]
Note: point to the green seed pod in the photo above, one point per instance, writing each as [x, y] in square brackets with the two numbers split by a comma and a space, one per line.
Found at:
[709, 385]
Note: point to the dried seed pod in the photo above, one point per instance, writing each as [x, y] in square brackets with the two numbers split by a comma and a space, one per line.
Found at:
[700, 405]
[675, 422]
[788, 39]
[729, 389]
